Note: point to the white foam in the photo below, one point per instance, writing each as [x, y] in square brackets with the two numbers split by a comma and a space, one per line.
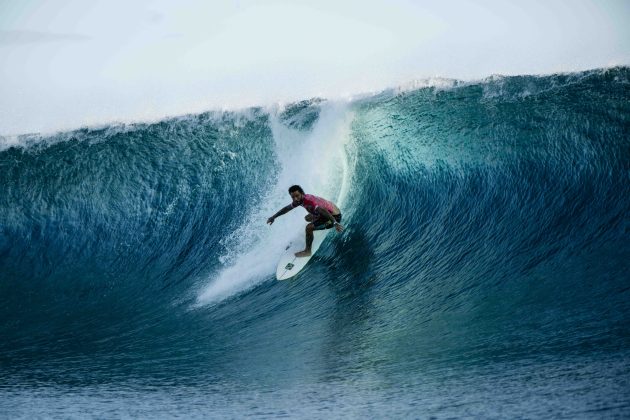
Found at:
[317, 161]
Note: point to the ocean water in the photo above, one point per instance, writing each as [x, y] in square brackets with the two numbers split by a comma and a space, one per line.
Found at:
[484, 270]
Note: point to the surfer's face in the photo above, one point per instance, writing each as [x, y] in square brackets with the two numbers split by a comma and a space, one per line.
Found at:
[297, 197]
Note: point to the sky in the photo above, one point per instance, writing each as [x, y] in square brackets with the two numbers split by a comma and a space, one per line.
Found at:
[74, 63]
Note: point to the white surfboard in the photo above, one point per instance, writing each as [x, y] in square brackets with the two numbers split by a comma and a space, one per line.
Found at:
[289, 265]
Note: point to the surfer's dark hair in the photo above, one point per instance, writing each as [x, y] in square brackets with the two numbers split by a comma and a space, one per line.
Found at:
[294, 188]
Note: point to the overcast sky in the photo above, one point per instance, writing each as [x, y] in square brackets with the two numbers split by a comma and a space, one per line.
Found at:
[66, 64]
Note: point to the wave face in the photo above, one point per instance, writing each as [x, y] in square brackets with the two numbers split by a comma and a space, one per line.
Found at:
[483, 271]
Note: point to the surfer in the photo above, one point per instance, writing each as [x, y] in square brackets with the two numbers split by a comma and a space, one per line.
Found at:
[322, 215]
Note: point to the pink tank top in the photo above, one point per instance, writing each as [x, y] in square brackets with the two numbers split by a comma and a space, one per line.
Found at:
[312, 202]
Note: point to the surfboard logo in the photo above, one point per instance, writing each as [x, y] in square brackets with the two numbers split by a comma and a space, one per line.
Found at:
[288, 266]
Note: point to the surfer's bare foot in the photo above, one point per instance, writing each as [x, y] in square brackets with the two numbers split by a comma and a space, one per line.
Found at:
[303, 254]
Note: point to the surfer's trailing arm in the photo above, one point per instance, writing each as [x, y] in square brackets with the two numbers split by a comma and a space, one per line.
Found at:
[283, 210]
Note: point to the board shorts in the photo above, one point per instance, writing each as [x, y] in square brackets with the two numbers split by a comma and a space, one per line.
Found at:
[322, 223]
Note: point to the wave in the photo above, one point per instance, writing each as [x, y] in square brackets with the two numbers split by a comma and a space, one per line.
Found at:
[480, 215]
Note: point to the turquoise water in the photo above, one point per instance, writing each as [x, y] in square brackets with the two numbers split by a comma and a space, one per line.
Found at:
[483, 271]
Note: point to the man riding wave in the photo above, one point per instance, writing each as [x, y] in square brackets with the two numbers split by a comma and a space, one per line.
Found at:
[323, 214]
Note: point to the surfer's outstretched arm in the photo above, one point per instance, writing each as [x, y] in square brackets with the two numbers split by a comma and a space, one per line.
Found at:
[280, 212]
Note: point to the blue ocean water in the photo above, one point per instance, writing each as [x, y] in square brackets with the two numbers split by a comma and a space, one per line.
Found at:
[483, 272]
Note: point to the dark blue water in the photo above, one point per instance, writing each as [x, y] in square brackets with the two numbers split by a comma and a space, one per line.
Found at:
[484, 270]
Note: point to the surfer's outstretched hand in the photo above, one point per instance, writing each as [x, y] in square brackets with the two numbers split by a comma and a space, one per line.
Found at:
[270, 221]
[338, 227]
